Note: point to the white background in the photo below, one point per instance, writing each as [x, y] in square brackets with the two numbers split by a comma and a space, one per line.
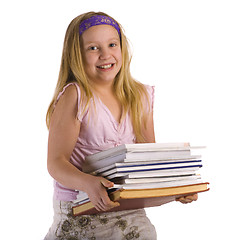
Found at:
[180, 46]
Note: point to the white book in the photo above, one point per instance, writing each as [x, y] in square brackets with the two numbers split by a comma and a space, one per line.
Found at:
[133, 156]
[149, 168]
[160, 173]
[138, 157]
[137, 147]
[81, 196]
[158, 185]
[157, 179]
[148, 164]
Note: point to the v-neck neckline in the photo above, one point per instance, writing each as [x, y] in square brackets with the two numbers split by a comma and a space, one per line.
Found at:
[118, 123]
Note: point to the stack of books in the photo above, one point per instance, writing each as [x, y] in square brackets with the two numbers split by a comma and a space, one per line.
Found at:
[145, 174]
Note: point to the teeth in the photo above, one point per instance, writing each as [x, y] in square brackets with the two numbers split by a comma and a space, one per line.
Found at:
[105, 66]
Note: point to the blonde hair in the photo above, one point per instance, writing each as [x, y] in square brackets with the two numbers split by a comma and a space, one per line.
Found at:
[130, 93]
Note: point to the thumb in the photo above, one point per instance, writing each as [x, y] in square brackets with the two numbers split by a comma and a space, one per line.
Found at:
[106, 183]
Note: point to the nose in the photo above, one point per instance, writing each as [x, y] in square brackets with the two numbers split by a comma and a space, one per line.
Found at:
[104, 53]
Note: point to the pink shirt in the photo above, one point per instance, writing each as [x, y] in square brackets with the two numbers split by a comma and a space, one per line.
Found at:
[99, 131]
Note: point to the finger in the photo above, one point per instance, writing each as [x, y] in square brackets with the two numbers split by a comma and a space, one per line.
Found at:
[180, 199]
[108, 204]
[112, 205]
[188, 199]
[103, 203]
[193, 197]
[183, 200]
[106, 183]
[101, 207]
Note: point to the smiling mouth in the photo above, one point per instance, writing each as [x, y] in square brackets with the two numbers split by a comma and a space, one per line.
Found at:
[106, 66]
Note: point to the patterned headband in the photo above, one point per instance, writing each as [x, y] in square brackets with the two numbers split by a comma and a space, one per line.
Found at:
[98, 20]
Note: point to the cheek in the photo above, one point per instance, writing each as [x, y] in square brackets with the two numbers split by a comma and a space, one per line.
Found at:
[118, 56]
[120, 60]
[89, 61]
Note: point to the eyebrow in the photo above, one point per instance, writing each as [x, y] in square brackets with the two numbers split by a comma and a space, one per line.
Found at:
[97, 42]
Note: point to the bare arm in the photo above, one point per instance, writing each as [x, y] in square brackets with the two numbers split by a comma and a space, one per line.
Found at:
[148, 131]
[63, 133]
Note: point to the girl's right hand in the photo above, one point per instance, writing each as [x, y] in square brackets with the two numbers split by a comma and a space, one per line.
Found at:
[97, 193]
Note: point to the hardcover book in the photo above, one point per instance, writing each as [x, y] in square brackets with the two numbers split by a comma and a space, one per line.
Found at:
[142, 198]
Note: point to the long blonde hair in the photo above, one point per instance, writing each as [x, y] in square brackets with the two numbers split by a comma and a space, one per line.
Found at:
[130, 93]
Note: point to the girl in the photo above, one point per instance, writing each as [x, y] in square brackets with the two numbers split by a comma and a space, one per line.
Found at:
[97, 105]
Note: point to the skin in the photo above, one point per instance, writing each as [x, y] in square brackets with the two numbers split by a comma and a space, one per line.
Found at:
[64, 128]
[188, 199]
[63, 132]
[99, 53]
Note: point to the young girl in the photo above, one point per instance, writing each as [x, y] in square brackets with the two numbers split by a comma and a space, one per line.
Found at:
[97, 105]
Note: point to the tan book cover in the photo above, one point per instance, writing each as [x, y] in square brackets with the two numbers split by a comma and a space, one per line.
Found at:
[142, 198]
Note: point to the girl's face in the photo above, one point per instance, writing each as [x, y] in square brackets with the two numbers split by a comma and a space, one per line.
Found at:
[101, 52]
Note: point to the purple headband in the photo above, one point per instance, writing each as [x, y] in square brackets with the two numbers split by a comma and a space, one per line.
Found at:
[98, 20]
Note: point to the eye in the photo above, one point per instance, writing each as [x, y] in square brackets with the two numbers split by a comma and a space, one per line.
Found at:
[112, 45]
[93, 48]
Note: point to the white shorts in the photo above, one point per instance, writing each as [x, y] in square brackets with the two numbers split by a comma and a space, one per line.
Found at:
[126, 225]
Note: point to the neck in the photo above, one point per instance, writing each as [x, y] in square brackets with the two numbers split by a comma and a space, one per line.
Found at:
[102, 88]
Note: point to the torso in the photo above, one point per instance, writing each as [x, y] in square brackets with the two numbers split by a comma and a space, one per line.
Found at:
[112, 103]
[100, 129]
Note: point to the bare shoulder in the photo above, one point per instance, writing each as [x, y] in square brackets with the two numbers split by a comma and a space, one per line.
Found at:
[64, 126]
[66, 106]
[69, 93]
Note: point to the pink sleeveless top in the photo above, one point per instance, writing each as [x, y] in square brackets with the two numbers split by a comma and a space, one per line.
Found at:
[99, 131]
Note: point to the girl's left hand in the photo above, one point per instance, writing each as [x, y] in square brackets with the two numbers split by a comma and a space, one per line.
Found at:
[188, 199]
